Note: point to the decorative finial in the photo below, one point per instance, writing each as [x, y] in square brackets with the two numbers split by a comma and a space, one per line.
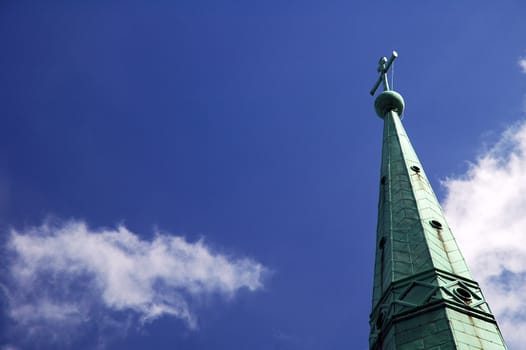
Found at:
[388, 100]
[383, 66]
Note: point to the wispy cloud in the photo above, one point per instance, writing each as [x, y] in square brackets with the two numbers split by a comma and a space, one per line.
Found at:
[487, 210]
[522, 64]
[68, 275]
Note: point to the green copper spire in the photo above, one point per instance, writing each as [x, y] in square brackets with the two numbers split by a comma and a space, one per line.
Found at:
[424, 296]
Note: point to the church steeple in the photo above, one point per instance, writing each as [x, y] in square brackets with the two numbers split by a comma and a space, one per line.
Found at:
[424, 296]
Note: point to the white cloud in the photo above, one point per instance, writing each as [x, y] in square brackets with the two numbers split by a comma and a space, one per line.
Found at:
[487, 210]
[68, 275]
[522, 64]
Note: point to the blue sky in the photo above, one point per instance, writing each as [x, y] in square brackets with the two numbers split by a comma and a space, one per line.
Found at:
[235, 143]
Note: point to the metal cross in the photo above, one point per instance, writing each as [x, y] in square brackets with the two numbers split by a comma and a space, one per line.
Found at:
[383, 66]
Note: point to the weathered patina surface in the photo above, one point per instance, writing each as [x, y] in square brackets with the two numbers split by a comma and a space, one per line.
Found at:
[424, 296]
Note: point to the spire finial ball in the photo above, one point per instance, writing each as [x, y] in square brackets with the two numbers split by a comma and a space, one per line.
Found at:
[389, 101]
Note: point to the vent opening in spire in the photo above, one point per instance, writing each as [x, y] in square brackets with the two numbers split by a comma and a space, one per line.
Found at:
[435, 224]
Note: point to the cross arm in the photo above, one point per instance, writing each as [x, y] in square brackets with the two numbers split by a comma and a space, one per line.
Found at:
[383, 66]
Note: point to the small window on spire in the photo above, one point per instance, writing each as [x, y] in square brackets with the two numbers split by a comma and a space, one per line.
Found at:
[435, 224]
[382, 243]
[463, 294]
[415, 169]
